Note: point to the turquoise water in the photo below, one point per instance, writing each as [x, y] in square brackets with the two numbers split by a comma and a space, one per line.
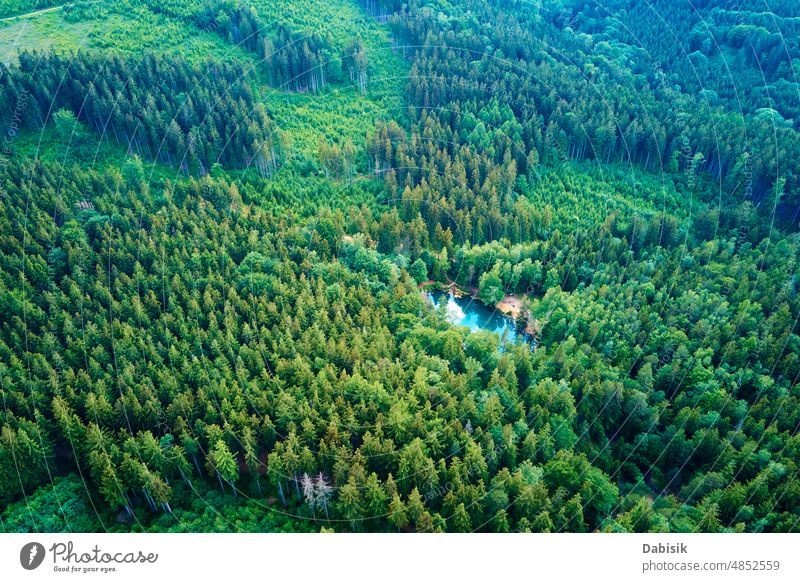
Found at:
[476, 316]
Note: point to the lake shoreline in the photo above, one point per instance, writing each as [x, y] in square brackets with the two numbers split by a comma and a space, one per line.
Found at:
[511, 305]
[468, 310]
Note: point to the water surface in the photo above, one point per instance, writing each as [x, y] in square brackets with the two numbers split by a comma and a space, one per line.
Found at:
[477, 316]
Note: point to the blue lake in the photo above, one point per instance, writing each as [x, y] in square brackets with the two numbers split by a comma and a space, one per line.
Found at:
[476, 316]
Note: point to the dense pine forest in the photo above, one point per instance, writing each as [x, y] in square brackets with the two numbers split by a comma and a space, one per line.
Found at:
[221, 221]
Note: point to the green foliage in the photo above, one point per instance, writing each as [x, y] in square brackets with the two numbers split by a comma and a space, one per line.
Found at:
[9, 8]
[696, 46]
[182, 126]
[61, 507]
[122, 27]
[214, 346]
[490, 286]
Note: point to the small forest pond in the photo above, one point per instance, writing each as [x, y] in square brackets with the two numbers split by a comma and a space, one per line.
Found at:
[477, 316]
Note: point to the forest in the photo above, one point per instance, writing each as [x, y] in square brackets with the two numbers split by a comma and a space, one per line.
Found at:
[217, 233]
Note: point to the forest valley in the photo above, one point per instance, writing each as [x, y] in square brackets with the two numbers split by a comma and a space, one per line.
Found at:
[211, 255]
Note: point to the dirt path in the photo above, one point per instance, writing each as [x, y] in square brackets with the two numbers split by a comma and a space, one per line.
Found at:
[32, 14]
[510, 305]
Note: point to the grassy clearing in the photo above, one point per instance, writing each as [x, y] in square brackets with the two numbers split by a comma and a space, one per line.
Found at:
[84, 148]
[14, 8]
[337, 114]
[344, 20]
[133, 34]
[340, 112]
[42, 32]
